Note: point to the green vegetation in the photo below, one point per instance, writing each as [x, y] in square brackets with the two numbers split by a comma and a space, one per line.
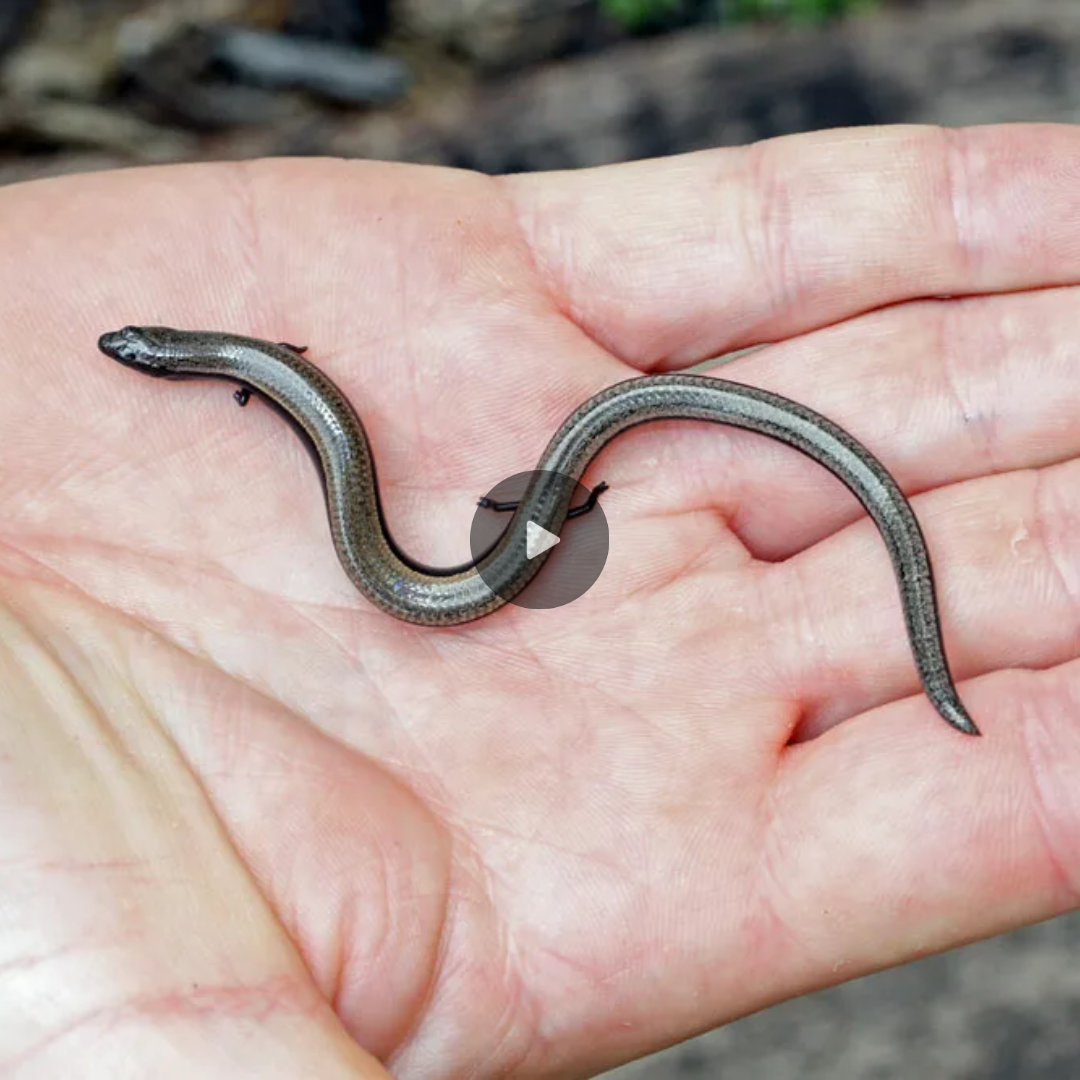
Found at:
[795, 10]
[637, 14]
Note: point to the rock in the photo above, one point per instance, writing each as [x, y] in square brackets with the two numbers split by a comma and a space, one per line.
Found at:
[341, 73]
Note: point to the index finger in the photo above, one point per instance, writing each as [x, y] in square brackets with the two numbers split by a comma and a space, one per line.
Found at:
[685, 258]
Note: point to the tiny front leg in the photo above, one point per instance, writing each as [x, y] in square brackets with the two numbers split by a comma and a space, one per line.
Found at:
[590, 502]
[499, 507]
[299, 349]
[577, 511]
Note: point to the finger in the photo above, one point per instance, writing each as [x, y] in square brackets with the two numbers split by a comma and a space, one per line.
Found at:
[888, 840]
[883, 842]
[1004, 551]
[940, 392]
[677, 260]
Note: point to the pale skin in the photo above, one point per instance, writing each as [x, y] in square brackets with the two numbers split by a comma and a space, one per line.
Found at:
[250, 826]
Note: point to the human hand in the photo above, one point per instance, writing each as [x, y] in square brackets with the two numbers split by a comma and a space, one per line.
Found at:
[251, 825]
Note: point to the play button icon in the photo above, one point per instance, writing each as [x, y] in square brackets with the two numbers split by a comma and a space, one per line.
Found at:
[538, 540]
[568, 562]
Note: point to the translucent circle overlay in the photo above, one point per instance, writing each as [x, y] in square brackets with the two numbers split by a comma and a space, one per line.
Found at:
[575, 563]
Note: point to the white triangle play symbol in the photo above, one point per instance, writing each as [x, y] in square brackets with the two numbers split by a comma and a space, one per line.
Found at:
[538, 540]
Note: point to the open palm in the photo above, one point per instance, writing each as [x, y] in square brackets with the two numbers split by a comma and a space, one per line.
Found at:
[251, 824]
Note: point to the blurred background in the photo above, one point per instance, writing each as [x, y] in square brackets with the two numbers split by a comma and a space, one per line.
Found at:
[505, 85]
[515, 85]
